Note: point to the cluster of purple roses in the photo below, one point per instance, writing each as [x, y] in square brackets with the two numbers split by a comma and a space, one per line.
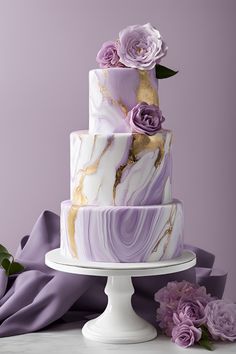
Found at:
[138, 46]
[189, 315]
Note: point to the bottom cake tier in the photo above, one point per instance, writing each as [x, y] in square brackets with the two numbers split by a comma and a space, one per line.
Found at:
[122, 234]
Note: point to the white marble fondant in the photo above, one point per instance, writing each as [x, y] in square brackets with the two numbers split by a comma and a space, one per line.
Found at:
[166, 197]
[122, 234]
[115, 91]
[120, 169]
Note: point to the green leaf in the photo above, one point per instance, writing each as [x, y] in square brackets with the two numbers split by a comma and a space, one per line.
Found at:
[3, 249]
[6, 265]
[15, 267]
[206, 343]
[162, 72]
[4, 255]
[205, 332]
[7, 262]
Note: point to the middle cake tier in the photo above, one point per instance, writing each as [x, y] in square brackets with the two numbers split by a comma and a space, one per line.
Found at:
[120, 168]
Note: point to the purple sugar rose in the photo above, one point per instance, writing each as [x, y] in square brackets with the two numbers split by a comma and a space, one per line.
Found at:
[145, 118]
[191, 309]
[169, 298]
[107, 56]
[141, 47]
[185, 334]
[221, 320]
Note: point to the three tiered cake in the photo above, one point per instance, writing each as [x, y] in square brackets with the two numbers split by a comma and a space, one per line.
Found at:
[121, 207]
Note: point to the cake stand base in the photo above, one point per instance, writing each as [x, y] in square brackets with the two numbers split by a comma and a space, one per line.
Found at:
[119, 323]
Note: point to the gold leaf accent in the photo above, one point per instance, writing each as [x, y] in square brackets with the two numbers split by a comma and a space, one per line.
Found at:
[79, 197]
[167, 229]
[140, 143]
[107, 96]
[119, 172]
[72, 214]
[145, 91]
[122, 106]
[150, 143]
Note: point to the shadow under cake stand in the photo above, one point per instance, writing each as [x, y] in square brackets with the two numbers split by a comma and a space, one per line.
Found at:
[119, 323]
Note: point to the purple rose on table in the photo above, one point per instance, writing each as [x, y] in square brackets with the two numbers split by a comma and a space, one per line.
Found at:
[145, 118]
[108, 57]
[190, 309]
[170, 297]
[141, 47]
[185, 334]
[221, 320]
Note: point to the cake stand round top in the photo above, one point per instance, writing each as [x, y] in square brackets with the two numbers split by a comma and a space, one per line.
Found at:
[54, 259]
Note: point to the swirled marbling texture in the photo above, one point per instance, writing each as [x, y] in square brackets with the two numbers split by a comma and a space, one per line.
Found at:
[121, 169]
[123, 234]
[113, 92]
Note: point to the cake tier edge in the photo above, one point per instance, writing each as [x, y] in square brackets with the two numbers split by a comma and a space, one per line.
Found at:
[127, 234]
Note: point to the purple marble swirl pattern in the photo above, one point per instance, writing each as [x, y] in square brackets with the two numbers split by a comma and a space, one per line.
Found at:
[121, 169]
[114, 92]
[123, 234]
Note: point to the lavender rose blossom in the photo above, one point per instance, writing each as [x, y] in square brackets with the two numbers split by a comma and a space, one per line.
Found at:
[221, 320]
[107, 56]
[145, 118]
[141, 47]
[192, 309]
[170, 297]
[185, 334]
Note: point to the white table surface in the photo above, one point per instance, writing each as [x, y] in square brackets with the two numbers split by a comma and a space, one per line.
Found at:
[67, 338]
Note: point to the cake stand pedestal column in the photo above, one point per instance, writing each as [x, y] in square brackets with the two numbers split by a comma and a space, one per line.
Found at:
[119, 323]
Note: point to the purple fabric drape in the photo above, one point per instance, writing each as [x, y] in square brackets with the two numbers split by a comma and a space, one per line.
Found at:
[40, 295]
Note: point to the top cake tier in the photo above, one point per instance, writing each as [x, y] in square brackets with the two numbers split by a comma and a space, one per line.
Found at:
[113, 92]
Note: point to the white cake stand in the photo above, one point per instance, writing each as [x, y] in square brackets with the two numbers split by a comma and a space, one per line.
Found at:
[119, 323]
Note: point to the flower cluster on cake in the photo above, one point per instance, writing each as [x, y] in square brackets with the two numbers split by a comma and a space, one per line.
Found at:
[121, 207]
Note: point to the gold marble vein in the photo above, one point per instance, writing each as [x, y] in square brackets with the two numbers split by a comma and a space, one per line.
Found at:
[71, 229]
[79, 196]
[108, 96]
[140, 143]
[145, 91]
[166, 230]
[119, 172]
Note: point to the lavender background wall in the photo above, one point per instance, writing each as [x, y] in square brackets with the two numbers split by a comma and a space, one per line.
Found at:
[46, 50]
